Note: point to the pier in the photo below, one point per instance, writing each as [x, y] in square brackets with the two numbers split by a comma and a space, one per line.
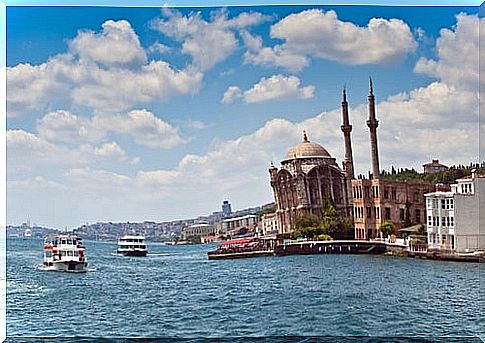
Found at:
[331, 247]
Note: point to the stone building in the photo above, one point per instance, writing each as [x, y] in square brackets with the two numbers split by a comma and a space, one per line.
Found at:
[434, 167]
[376, 200]
[310, 178]
[198, 230]
[240, 225]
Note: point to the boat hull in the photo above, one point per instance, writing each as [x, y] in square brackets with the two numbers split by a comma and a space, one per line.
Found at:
[136, 253]
[69, 266]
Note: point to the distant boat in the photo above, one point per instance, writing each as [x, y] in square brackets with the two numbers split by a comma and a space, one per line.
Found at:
[132, 246]
[27, 233]
[65, 253]
[169, 243]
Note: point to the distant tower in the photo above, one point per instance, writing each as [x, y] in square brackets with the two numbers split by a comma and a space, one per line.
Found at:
[373, 123]
[348, 163]
[226, 209]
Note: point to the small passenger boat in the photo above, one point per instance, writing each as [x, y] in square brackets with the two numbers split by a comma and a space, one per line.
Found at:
[132, 246]
[65, 253]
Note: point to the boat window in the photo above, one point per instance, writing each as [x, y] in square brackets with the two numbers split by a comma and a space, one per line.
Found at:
[76, 253]
[48, 253]
[55, 242]
[69, 241]
[63, 253]
[63, 241]
[70, 253]
[142, 247]
[74, 242]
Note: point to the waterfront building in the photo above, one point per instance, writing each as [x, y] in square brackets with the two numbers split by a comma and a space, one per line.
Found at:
[269, 224]
[440, 225]
[198, 230]
[240, 225]
[455, 221]
[310, 178]
[434, 167]
[226, 209]
[376, 200]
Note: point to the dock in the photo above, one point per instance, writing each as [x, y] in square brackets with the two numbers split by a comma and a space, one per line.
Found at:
[331, 247]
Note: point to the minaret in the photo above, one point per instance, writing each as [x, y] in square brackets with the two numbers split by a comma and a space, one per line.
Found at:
[347, 129]
[373, 123]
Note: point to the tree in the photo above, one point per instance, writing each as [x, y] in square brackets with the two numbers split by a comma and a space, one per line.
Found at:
[307, 220]
[387, 228]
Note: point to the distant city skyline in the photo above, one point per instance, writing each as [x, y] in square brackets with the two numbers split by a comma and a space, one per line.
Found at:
[134, 114]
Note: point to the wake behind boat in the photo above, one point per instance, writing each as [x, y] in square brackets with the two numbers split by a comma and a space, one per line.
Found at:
[132, 246]
[65, 253]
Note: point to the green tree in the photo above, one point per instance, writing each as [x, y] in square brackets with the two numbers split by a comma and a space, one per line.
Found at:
[307, 220]
[387, 228]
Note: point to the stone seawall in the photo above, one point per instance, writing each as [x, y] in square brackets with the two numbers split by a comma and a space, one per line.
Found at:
[331, 247]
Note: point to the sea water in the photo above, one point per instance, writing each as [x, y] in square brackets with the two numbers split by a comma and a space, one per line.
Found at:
[177, 292]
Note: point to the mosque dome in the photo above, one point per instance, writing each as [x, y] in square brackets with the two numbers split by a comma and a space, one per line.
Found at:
[307, 149]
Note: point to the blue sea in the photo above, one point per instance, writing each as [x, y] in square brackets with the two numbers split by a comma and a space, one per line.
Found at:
[176, 292]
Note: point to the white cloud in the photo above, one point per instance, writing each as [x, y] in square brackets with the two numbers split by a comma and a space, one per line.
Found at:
[116, 45]
[232, 93]
[276, 87]
[319, 34]
[98, 78]
[275, 56]
[196, 124]
[111, 149]
[159, 47]
[143, 126]
[207, 42]
[28, 153]
[458, 55]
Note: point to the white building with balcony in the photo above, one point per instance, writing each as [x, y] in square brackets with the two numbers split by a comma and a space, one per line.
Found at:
[440, 224]
[454, 220]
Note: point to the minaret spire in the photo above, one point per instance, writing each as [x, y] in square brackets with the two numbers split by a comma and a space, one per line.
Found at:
[347, 129]
[373, 123]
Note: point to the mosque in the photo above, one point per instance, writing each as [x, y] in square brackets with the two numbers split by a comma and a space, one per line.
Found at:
[309, 178]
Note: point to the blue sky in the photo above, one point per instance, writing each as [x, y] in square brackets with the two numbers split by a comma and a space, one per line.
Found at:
[149, 114]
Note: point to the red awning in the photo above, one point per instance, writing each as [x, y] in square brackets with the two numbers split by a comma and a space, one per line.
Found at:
[238, 241]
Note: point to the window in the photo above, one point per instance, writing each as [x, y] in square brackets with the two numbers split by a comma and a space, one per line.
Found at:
[451, 203]
[394, 194]
[447, 221]
[367, 191]
[377, 212]
[430, 221]
[443, 205]
[452, 219]
[443, 221]
[418, 216]
[386, 192]
[416, 196]
[369, 212]
[388, 213]
[402, 213]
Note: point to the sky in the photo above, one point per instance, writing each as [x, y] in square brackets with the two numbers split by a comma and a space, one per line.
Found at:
[133, 114]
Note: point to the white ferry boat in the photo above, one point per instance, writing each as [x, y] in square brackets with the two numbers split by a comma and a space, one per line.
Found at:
[132, 246]
[65, 253]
